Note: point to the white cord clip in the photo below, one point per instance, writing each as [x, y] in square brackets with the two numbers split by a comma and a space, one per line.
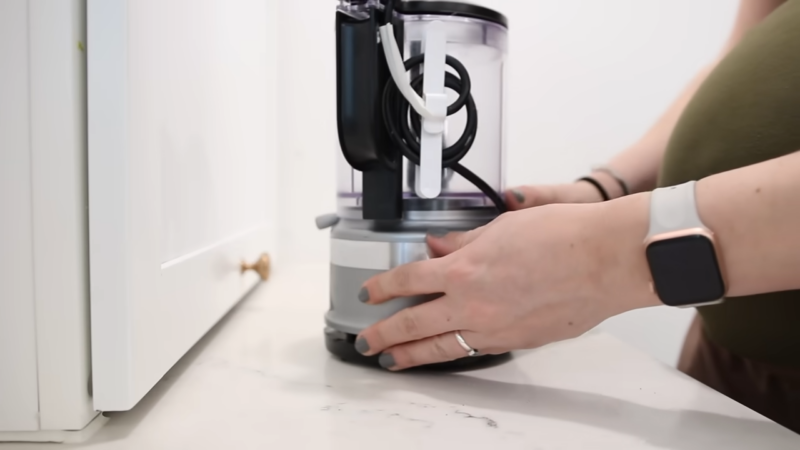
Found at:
[429, 179]
[432, 109]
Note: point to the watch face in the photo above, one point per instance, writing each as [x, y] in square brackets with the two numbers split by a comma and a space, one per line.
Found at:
[685, 271]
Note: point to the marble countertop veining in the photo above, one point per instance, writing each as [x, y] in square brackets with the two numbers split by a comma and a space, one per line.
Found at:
[262, 379]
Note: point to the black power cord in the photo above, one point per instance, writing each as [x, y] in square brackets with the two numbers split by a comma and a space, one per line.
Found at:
[388, 12]
[396, 112]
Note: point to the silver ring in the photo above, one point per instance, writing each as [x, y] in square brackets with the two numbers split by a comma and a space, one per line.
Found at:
[470, 351]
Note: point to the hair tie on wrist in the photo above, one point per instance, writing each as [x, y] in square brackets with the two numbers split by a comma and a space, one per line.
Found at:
[613, 174]
[599, 187]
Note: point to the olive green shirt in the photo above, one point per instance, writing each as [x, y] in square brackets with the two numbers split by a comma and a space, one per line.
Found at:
[746, 112]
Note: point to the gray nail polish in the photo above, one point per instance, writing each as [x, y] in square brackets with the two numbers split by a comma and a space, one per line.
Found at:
[363, 295]
[518, 195]
[437, 232]
[386, 361]
[362, 346]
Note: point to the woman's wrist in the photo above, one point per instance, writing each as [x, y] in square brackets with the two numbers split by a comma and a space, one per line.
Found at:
[619, 230]
[608, 185]
[611, 184]
[754, 213]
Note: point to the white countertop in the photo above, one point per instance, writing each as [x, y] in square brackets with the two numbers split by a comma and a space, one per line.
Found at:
[262, 379]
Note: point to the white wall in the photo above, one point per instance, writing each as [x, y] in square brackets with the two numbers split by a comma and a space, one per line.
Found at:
[587, 77]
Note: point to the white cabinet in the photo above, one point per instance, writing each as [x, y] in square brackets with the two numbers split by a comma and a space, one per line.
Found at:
[137, 171]
[18, 394]
[179, 181]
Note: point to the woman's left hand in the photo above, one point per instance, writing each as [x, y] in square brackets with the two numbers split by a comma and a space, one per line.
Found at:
[527, 279]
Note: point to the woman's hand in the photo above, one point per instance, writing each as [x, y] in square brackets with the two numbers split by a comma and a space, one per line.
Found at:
[522, 197]
[527, 279]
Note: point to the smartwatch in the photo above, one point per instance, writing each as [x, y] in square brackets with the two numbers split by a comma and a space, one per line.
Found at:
[681, 252]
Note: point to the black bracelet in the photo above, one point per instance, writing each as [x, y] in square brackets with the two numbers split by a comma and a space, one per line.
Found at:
[613, 174]
[599, 187]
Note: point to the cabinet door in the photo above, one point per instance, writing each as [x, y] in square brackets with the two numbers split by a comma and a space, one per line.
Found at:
[181, 177]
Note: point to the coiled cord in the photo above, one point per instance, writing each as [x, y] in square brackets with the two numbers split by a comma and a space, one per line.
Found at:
[405, 134]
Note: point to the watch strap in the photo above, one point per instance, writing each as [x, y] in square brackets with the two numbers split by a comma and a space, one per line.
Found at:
[674, 208]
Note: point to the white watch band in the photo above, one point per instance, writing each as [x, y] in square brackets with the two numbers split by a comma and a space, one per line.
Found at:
[674, 208]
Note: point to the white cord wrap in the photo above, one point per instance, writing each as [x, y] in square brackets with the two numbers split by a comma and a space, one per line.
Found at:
[397, 67]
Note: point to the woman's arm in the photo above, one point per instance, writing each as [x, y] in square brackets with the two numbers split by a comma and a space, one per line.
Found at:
[639, 164]
[551, 273]
[754, 213]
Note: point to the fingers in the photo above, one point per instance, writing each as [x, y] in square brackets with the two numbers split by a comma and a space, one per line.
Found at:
[522, 197]
[435, 349]
[530, 196]
[450, 242]
[417, 278]
[410, 324]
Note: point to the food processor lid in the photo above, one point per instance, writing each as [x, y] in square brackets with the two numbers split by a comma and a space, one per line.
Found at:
[458, 9]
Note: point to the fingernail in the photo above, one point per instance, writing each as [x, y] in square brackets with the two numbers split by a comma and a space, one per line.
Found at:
[362, 346]
[518, 195]
[363, 295]
[438, 232]
[386, 361]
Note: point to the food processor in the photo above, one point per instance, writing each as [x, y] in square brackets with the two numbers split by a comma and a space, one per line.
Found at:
[420, 115]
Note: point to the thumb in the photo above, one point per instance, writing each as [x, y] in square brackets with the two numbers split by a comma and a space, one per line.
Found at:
[442, 243]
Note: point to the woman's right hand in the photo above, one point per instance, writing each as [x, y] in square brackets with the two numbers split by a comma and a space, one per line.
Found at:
[522, 197]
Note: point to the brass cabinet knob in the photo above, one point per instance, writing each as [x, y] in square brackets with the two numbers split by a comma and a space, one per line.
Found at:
[261, 266]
